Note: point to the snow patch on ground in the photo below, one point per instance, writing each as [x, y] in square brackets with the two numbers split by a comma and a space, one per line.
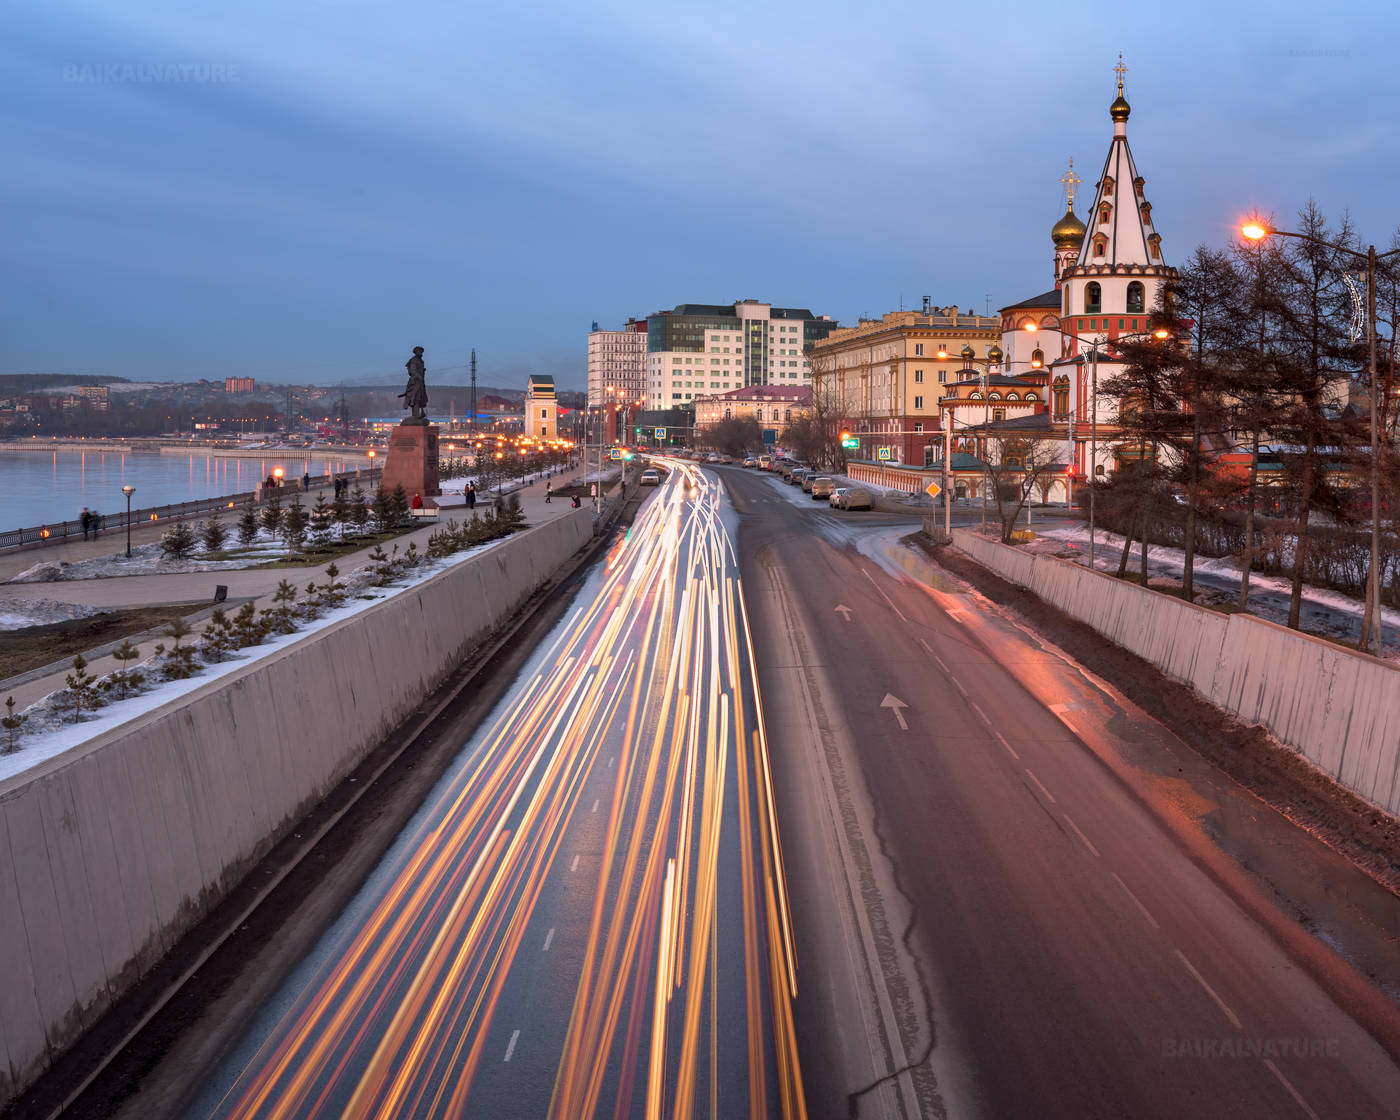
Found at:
[16, 614]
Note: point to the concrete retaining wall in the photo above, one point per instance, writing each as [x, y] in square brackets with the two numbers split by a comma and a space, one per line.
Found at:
[1340, 708]
[109, 852]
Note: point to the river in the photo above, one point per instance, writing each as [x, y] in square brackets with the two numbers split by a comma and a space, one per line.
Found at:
[38, 488]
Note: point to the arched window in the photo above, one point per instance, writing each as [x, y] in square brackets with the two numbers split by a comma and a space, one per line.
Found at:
[1059, 394]
[1108, 186]
[1100, 246]
[1135, 296]
[787, 415]
[1105, 213]
[1093, 297]
[998, 414]
[994, 395]
[1154, 243]
[974, 395]
[1032, 397]
[726, 414]
[1037, 358]
[1013, 396]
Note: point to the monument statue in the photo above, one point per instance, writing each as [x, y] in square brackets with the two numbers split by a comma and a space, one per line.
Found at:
[415, 394]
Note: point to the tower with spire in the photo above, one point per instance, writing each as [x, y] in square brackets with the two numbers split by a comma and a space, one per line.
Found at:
[1068, 232]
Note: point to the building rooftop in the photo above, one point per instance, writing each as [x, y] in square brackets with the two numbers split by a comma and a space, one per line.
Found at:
[802, 393]
[1049, 299]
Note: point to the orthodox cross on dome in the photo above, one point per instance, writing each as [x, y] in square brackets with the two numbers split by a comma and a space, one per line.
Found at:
[1120, 70]
[1070, 181]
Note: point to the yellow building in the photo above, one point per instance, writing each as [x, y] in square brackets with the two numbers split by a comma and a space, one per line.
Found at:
[884, 378]
[774, 407]
[541, 408]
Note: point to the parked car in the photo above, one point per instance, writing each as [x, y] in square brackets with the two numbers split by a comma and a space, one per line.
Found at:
[837, 495]
[820, 488]
[853, 497]
[650, 477]
[794, 476]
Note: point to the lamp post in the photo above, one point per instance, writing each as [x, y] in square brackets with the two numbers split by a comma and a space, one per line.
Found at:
[128, 490]
[1256, 231]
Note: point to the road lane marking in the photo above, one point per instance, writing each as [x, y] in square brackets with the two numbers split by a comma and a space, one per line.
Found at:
[574, 866]
[1007, 745]
[1146, 913]
[980, 712]
[1043, 790]
[1291, 1091]
[1201, 980]
[845, 611]
[611, 761]
[958, 684]
[883, 596]
[595, 806]
[939, 662]
[1081, 835]
[895, 704]
[926, 646]
[548, 940]
[514, 1037]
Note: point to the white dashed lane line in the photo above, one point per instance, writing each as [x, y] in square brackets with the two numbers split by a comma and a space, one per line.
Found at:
[514, 1038]
[1146, 913]
[1049, 796]
[1081, 835]
[548, 940]
[1201, 980]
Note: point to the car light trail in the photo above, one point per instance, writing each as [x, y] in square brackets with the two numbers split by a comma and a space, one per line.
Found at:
[684, 972]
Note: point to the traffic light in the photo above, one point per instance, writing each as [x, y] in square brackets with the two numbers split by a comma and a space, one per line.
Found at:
[845, 435]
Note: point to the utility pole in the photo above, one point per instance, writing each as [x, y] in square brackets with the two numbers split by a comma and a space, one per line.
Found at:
[471, 420]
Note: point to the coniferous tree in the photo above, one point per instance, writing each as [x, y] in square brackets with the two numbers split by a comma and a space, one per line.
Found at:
[179, 663]
[248, 526]
[321, 517]
[398, 501]
[217, 639]
[213, 533]
[272, 513]
[384, 516]
[82, 688]
[125, 679]
[12, 724]
[359, 510]
[247, 628]
[178, 541]
[294, 526]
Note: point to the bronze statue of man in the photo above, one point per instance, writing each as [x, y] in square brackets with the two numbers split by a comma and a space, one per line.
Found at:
[415, 395]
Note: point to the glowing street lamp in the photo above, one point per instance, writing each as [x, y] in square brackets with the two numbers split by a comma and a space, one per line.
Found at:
[128, 490]
[1256, 231]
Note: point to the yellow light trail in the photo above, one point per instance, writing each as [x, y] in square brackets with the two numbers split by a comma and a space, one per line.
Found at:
[682, 978]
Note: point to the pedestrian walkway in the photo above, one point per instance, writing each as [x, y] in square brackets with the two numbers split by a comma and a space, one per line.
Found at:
[197, 588]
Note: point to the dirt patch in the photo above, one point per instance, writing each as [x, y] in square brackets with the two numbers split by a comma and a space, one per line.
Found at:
[36, 646]
[1277, 775]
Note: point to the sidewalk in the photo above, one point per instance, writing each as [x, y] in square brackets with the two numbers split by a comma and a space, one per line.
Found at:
[197, 588]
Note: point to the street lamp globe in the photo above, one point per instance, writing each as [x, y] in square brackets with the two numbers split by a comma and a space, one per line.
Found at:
[128, 490]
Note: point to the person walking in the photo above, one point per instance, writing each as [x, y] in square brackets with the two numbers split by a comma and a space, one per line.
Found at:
[85, 520]
[548, 492]
[471, 496]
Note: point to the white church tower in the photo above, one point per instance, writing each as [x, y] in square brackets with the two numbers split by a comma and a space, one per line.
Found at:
[1110, 290]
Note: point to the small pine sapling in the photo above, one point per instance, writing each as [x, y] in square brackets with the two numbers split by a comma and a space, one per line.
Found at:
[340, 508]
[247, 628]
[399, 501]
[382, 572]
[248, 526]
[283, 615]
[179, 663]
[321, 516]
[217, 639]
[82, 688]
[12, 723]
[310, 606]
[126, 679]
[273, 513]
[411, 556]
[332, 591]
[178, 541]
[294, 526]
[214, 533]
[359, 510]
[384, 517]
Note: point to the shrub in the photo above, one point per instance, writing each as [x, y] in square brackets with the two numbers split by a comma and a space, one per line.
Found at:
[213, 532]
[179, 663]
[124, 680]
[217, 638]
[178, 541]
[12, 724]
[248, 526]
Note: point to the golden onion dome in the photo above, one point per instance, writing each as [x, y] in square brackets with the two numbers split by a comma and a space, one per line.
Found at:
[1120, 108]
[994, 354]
[1068, 229]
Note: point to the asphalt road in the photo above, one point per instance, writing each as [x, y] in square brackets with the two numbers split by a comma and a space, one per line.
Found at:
[993, 917]
[589, 915]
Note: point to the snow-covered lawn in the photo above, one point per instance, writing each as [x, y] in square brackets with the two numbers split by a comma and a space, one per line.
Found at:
[16, 614]
[50, 729]
[1217, 581]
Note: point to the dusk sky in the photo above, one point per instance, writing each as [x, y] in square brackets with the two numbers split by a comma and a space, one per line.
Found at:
[326, 185]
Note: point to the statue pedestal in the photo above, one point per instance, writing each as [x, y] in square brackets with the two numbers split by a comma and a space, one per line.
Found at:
[412, 461]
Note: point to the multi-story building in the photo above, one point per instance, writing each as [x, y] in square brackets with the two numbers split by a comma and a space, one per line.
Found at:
[700, 349]
[541, 408]
[617, 360]
[774, 407]
[238, 385]
[884, 379]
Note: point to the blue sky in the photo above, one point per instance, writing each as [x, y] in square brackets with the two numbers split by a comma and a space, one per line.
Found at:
[360, 178]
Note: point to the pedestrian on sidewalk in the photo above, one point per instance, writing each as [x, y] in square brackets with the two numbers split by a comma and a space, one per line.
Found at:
[548, 492]
[85, 520]
[471, 496]
[417, 502]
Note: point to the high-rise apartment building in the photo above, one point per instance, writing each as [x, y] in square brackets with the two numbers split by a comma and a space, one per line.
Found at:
[699, 349]
[617, 359]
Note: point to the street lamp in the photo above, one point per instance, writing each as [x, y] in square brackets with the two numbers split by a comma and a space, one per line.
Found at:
[1255, 230]
[128, 490]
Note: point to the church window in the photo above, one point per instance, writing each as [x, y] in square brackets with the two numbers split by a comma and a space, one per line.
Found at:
[1100, 246]
[998, 414]
[1059, 396]
[1093, 296]
[1037, 358]
[1154, 243]
[1105, 212]
[1031, 397]
[1013, 396]
[994, 395]
[1146, 209]
[1138, 185]
[1108, 186]
[974, 395]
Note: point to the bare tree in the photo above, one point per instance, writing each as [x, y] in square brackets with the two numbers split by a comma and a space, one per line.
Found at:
[734, 435]
[1015, 466]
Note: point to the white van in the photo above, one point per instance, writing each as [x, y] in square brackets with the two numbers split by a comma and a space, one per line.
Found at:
[765, 462]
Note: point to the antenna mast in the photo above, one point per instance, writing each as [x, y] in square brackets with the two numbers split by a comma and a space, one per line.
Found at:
[471, 417]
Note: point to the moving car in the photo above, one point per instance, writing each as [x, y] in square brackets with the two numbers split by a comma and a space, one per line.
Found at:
[765, 462]
[750, 462]
[650, 477]
[821, 487]
[809, 476]
[794, 476]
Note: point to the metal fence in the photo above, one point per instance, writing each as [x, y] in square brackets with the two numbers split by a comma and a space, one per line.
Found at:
[109, 524]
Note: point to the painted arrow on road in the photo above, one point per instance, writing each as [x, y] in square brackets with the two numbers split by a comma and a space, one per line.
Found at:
[894, 703]
[845, 611]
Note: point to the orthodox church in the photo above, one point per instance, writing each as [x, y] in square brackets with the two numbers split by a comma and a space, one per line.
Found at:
[1060, 344]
